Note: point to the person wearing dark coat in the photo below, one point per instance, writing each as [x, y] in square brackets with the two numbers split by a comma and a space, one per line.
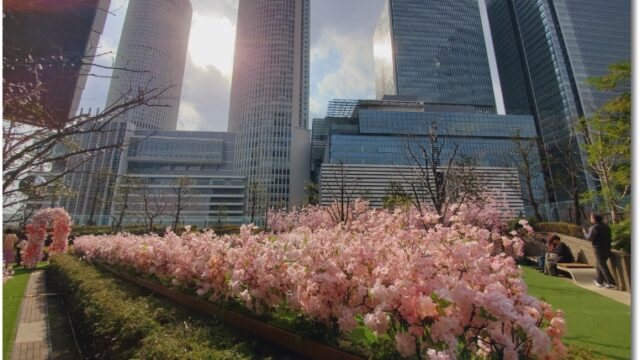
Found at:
[600, 237]
[559, 252]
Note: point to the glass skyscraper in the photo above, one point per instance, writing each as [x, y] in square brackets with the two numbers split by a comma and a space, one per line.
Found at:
[42, 31]
[270, 100]
[151, 58]
[546, 50]
[434, 51]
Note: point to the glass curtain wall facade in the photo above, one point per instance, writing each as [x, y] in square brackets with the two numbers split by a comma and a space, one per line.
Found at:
[42, 30]
[435, 51]
[546, 50]
[382, 137]
[199, 164]
[270, 99]
[151, 56]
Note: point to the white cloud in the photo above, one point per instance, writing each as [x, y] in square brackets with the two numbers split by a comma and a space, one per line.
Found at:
[205, 91]
[205, 50]
[351, 78]
[189, 118]
[232, 3]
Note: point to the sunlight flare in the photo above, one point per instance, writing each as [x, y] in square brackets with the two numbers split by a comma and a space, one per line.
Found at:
[211, 43]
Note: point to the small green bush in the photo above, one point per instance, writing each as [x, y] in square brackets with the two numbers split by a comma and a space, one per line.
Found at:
[561, 228]
[90, 230]
[118, 320]
[621, 235]
[226, 229]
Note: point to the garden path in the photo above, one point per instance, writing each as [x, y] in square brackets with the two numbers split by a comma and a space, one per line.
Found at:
[43, 328]
[32, 338]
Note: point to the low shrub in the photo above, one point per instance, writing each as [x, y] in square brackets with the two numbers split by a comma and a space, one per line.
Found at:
[117, 320]
[621, 235]
[143, 230]
[131, 229]
[561, 228]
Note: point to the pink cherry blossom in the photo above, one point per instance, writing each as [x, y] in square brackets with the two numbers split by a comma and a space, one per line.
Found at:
[37, 232]
[426, 283]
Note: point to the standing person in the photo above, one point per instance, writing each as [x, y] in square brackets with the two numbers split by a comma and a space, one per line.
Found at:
[8, 246]
[22, 243]
[19, 247]
[600, 236]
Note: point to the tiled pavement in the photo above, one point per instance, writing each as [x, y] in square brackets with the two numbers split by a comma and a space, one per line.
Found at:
[32, 340]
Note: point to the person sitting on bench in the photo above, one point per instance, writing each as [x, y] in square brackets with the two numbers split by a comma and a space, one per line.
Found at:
[558, 252]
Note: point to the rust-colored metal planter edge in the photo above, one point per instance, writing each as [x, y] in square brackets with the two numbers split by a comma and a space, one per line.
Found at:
[309, 348]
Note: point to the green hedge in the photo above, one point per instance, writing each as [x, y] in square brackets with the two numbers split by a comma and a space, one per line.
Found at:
[561, 228]
[141, 230]
[117, 320]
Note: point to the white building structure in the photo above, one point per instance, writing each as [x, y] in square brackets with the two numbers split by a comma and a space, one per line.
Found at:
[270, 100]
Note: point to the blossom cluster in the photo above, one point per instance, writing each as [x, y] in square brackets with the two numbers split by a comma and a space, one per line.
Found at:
[37, 232]
[438, 290]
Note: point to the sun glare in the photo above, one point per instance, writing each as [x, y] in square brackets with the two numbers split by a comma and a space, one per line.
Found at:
[211, 42]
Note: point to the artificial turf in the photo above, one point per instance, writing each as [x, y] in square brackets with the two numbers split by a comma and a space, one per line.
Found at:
[594, 322]
[12, 295]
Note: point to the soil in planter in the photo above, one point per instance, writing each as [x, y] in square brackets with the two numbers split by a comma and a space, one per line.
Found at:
[63, 345]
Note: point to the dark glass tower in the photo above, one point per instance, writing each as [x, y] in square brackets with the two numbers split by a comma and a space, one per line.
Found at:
[545, 51]
[434, 51]
[61, 36]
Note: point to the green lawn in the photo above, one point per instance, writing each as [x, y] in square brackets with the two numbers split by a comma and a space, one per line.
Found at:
[594, 322]
[12, 295]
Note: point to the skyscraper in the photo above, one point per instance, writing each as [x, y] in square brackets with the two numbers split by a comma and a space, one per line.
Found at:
[270, 100]
[545, 51]
[434, 51]
[151, 57]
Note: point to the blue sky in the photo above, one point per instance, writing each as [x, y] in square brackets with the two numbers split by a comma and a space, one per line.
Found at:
[341, 58]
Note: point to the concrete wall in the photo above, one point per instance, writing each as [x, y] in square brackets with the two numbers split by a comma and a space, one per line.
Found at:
[300, 165]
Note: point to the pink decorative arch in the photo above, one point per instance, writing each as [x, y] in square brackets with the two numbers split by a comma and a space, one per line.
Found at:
[37, 232]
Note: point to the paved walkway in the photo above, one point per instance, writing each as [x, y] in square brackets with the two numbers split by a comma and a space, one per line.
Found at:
[44, 331]
[32, 338]
[584, 279]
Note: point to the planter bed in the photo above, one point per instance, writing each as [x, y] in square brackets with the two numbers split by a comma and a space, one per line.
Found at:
[383, 285]
[115, 319]
[292, 341]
